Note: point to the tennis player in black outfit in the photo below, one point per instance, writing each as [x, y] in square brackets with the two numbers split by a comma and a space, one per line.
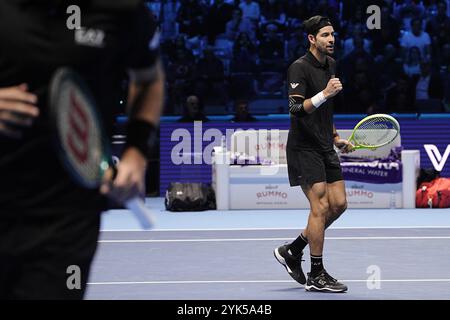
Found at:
[312, 161]
[48, 224]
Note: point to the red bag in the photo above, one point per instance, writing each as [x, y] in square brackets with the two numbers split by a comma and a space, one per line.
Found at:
[434, 194]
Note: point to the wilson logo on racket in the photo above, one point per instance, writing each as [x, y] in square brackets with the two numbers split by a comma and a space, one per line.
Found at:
[78, 135]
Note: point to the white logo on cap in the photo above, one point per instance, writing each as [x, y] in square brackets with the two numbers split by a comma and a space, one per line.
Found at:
[294, 85]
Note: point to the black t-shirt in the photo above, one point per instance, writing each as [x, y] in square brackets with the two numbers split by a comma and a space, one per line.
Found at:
[34, 42]
[307, 77]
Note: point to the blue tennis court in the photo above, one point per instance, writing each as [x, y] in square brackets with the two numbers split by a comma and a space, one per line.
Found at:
[228, 255]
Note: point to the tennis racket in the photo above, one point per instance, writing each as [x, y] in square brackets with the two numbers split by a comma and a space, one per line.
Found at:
[82, 143]
[374, 131]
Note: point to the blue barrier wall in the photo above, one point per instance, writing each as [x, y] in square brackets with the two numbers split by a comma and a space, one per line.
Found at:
[416, 130]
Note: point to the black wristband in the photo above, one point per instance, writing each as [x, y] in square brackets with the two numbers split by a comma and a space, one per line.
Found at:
[141, 135]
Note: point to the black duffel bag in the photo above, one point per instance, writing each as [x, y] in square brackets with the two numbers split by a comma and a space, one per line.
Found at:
[190, 197]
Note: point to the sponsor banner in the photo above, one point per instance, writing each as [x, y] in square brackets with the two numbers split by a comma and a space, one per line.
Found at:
[282, 196]
[250, 191]
[266, 196]
[374, 171]
[369, 195]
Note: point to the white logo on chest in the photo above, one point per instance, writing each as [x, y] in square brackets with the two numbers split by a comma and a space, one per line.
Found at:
[294, 85]
[90, 37]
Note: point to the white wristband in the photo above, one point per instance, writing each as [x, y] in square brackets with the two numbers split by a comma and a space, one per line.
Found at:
[318, 99]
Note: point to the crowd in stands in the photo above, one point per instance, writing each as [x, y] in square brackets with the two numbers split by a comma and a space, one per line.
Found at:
[220, 53]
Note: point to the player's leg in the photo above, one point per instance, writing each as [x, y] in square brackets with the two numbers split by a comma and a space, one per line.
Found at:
[335, 187]
[315, 230]
[336, 204]
[337, 201]
[55, 257]
[320, 216]
[305, 169]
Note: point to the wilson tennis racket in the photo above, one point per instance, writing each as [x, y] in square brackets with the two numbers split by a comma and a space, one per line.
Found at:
[374, 131]
[83, 146]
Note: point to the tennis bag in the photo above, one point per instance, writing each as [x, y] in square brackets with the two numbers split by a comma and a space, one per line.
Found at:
[190, 197]
[434, 194]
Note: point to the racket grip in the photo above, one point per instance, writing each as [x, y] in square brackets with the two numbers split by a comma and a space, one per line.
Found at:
[142, 213]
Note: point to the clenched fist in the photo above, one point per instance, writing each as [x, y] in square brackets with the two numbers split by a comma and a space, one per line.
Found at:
[333, 88]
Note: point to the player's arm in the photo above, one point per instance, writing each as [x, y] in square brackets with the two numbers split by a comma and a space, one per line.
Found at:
[145, 97]
[297, 86]
[300, 106]
[144, 107]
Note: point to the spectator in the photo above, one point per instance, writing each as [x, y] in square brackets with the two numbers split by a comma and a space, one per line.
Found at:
[358, 60]
[428, 85]
[242, 113]
[168, 16]
[271, 50]
[445, 74]
[388, 34]
[272, 10]
[297, 9]
[407, 12]
[416, 38]
[439, 26]
[180, 78]
[242, 67]
[190, 17]
[193, 110]
[411, 67]
[210, 79]
[298, 45]
[218, 15]
[326, 8]
[444, 60]
[238, 24]
[389, 65]
[244, 54]
[173, 47]
[349, 45]
[400, 97]
[361, 94]
[250, 10]
[357, 18]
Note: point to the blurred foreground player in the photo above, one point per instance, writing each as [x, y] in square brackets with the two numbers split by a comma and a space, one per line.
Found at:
[312, 161]
[48, 224]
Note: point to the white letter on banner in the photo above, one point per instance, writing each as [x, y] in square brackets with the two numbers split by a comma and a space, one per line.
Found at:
[210, 134]
[181, 152]
[435, 156]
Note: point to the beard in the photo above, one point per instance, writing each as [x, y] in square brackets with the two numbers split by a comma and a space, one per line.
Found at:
[324, 50]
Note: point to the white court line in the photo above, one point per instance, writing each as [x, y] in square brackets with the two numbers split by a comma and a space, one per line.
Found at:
[270, 239]
[270, 229]
[253, 281]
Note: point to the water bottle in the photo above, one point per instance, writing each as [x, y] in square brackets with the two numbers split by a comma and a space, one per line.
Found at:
[223, 143]
[392, 200]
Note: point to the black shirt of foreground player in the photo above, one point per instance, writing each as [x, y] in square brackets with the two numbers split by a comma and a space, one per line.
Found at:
[307, 77]
[34, 42]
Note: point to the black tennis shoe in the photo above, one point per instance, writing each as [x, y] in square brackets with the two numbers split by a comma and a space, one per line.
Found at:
[323, 282]
[293, 264]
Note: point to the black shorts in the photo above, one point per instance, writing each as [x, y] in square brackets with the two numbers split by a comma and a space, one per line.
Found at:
[306, 167]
